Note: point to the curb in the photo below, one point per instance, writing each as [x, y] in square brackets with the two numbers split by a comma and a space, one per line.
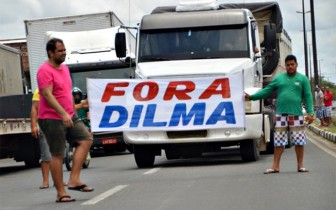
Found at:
[325, 134]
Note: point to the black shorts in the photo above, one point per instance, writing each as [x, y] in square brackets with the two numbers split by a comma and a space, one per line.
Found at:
[56, 134]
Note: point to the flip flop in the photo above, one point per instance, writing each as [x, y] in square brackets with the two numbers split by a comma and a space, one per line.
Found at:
[81, 188]
[271, 171]
[44, 187]
[62, 200]
[302, 170]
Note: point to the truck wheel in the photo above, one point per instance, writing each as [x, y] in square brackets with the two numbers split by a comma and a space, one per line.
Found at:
[144, 156]
[270, 63]
[32, 162]
[31, 153]
[249, 150]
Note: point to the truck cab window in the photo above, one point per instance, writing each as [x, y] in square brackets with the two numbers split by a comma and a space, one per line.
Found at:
[193, 43]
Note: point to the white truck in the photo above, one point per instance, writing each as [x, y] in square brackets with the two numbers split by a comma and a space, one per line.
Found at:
[16, 140]
[193, 40]
[36, 33]
[89, 40]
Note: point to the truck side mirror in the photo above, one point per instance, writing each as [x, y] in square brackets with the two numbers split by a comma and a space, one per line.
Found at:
[270, 37]
[120, 44]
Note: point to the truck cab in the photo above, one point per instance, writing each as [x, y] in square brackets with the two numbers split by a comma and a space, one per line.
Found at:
[181, 42]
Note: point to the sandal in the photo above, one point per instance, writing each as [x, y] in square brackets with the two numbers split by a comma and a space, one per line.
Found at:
[302, 170]
[81, 188]
[271, 171]
[65, 199]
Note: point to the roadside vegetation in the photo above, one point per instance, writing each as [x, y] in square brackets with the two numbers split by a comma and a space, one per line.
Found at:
[329, 128]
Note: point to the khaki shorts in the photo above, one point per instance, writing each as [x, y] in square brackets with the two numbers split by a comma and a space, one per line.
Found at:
[56, 134]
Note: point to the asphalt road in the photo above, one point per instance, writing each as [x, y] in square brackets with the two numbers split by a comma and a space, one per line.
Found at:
[220, 181]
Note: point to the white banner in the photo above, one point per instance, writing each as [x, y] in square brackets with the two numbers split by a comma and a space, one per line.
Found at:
[166, 104]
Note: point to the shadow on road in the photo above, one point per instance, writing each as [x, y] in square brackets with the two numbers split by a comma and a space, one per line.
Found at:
[225, 156]
[11, 169]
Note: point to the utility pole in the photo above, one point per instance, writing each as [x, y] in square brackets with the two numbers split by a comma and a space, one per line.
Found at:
[316, 75]
[304, 37]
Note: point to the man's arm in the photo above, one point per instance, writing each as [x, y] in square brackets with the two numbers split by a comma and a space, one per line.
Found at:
[47, 93]
[33, 119]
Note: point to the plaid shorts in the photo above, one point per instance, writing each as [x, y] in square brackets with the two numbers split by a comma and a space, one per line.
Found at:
[289, 126]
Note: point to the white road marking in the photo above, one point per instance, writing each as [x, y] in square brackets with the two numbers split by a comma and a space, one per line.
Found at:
[152, 171]
[104, 195]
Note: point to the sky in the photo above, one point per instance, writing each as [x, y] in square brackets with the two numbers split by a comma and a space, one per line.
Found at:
[14, 12]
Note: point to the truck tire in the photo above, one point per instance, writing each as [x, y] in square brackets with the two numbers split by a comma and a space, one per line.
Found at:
[270, 63]
[249, 150]
[32, 162]
[270, 36]
[144, 156]
[31, 153]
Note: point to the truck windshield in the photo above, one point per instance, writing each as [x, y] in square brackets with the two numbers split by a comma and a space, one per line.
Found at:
[79, 78]
[193, 43]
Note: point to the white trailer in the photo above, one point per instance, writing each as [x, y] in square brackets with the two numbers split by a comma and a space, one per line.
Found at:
[36, 30]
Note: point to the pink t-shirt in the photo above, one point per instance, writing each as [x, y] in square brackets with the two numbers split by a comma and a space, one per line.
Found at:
[61, 83]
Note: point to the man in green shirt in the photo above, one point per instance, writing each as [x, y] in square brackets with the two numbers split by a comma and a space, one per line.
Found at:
[293, 89]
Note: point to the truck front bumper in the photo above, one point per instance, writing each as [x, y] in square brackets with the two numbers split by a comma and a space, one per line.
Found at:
[253, 130]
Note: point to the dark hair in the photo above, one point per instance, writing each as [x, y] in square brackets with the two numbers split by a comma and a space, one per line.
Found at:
[51, 45]
[290, 58]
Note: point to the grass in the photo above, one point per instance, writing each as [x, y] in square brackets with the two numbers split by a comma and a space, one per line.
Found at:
[331, 129]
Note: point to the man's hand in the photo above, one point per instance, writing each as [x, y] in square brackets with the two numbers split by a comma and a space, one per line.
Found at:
[35, 131]
[67, 121]
[309, 119]
[85, 103]
[247, 97]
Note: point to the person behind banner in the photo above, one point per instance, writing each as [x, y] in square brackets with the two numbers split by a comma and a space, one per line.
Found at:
[44, 148]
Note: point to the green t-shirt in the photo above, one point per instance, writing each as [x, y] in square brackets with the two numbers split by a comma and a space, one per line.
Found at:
[292, 91]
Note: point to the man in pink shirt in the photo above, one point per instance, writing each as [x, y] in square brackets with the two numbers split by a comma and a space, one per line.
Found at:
[59, 121]
[328, 98]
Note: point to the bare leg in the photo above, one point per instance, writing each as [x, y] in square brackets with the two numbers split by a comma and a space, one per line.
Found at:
[330, 121]
[322, 122]
[56, 170]
[299, 155]
[45, 174]
[277, 156]
[79, 156]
